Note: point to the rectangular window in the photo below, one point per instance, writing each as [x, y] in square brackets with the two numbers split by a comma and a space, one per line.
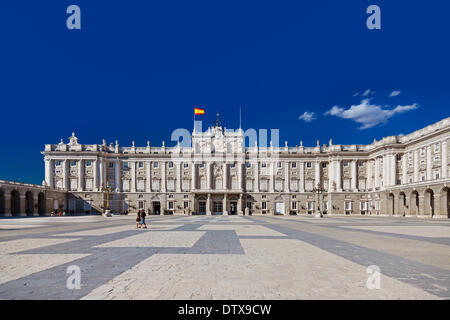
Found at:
[201, 165]
[248, 165]
[125, 165]
[111, 164]
[141, 204]
[436, 147]
[170, 205]
[348, 206]
[279, 164]
[73, 163]
[294, 205]
[264, 185]
[140, 164]
[309, 164]
[186, 204]
[345, 163]
[294, 165]
[263, 165]
[422, 151]
[170, 164]
[58, 163]
[140, 185]
[324, 164]
[233, 165]
[88, 163]
[264, 205]
[155, 165]
[185, 164]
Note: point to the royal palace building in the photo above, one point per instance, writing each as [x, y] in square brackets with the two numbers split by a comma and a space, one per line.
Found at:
[217, 173]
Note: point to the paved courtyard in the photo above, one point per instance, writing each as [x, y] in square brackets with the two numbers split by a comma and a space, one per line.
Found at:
[224, 257]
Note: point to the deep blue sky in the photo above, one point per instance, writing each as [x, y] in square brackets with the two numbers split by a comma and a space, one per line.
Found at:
[136, 69]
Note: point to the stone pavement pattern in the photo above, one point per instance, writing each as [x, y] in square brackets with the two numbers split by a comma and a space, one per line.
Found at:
[224, 257]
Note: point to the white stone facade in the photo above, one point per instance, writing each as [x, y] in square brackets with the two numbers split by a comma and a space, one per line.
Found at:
[398, 175]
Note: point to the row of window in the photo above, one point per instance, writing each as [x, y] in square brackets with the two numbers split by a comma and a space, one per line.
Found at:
[170, 164]
[437, 148]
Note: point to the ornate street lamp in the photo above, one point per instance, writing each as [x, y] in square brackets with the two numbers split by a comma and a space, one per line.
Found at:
[107, 190]
[318, 190]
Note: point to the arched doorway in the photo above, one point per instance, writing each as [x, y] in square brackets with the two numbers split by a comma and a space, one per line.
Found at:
[391, 200]
[401, 203]
[29, 203]
[279, 205]
[445, 202]
[201, 205]
[414, 203]
[15, 203]
[429, 203]
[2, 201]
[41, 204]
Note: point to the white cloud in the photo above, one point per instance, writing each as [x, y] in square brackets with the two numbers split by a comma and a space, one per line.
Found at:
[395, 93]
[368, 115]
[308, 116]
[356, 94]
[366, 93]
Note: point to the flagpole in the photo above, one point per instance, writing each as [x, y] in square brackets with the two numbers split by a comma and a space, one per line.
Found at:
[240, 118]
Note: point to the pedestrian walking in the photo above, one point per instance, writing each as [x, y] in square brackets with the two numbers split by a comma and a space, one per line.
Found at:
[144, 226]
[138, 219]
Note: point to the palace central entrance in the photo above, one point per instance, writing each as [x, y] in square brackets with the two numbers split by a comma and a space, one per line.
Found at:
[217, 207]
[156, 207]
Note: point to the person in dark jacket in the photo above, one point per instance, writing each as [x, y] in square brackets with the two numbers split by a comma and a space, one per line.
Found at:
[144, 226]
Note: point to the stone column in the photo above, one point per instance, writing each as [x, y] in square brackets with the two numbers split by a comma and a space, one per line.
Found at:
[224, 176]
[338, 176]
[208, 204]
[179, 175]
[102, 172]
[49, 172]
[286, 176]
[80, 175]
[353, 169]
[208, 176]
[148, 174]
[393, 169]
[316, 173]
[239, 206]
[404, 169]
[377, 172]
[193, 176]
[330, 174]
[271, 175]
[256, 165]
[416, 165]
[240, 175]
[66, 174]
[386, 170]
[163, 176]
[95, 173]
[444, 159]
[225, 212]
[369, 171]
[117, 180]
[302, 177]
[429, 164]
[133, 176]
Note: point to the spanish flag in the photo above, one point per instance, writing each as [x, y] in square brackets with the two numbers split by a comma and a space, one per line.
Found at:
[199, 111]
